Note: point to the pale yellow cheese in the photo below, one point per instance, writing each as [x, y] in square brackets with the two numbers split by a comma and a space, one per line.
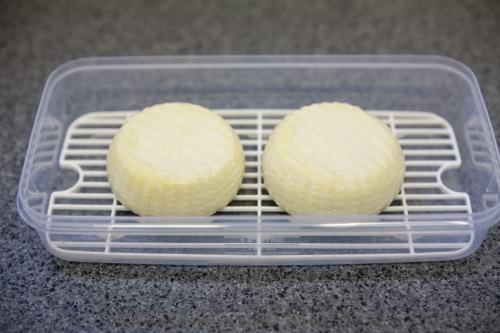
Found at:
[175, 159]
[332, 158]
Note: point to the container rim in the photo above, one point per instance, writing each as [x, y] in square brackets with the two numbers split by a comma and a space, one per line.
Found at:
[39, 221]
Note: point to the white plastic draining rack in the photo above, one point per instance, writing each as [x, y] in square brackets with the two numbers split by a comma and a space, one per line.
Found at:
[429, 146]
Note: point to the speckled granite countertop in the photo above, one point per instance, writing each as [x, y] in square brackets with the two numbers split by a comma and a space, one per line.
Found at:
[41, 293]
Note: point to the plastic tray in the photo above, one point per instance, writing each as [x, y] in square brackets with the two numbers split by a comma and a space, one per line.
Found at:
[449, 199]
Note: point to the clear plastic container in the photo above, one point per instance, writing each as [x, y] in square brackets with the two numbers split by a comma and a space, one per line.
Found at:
[433, 104]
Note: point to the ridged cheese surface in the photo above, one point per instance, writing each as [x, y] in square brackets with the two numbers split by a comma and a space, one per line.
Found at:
[175, 159]
[332, 158]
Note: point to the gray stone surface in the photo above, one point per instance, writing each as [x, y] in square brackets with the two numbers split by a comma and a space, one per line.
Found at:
[41, 293]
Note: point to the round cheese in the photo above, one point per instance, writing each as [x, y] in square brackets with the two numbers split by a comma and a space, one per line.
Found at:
[175, 159]
[332, 158]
